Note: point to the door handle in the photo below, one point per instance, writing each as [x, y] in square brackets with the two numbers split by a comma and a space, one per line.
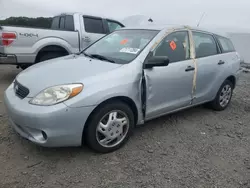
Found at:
[221, 62]
[189, 68]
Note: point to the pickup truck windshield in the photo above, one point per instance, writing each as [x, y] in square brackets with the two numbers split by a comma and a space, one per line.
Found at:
[121, 46]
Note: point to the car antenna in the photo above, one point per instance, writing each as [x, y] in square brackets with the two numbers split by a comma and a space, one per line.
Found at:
[201, 19]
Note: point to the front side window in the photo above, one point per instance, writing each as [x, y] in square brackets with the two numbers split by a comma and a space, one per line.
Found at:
[175, 46]
[205, 45]
[122, 46]
[113, 25]
[226, 44]
[93, 25]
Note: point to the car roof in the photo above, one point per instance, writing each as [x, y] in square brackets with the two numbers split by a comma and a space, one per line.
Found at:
[87, 15]
[176, 26]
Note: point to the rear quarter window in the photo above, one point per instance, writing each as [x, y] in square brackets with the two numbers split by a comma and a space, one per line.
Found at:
[225, 44]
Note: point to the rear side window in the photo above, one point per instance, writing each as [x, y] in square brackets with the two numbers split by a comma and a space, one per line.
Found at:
[93, 25]
[226, 44]
[62, 23]
[205, 45]
[55, 23]
[69, 23]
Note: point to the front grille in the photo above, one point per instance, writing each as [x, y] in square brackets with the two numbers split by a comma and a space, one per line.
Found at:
[20, 90]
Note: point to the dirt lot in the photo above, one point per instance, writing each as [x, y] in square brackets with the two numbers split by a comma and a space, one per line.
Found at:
[193, 148]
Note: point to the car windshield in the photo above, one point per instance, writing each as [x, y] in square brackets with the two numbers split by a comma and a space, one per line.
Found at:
[121, 46]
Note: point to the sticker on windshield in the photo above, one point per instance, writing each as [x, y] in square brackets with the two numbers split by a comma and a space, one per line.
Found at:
[124, 41]
[172, 45]
[130, 50]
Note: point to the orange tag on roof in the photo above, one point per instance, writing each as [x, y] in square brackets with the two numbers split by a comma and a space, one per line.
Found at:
[124, 41]
[172, 45]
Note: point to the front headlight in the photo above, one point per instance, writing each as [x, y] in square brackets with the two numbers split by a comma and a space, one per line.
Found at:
[56, 94]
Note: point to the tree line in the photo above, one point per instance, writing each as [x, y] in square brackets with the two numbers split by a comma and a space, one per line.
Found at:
[40, 22]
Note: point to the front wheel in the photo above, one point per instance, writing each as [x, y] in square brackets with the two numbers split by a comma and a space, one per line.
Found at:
[109, 127]
[223, 96]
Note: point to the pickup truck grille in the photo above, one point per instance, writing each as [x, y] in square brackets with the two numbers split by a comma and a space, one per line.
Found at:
[20, 90]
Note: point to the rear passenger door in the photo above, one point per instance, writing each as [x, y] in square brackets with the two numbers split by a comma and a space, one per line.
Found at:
[210, 64]
[94, 29]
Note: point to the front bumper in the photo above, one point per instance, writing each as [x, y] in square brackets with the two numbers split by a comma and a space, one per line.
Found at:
[49, 126]
[8, 59]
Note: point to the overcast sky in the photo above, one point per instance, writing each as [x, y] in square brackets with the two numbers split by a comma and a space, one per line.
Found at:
[220, 13]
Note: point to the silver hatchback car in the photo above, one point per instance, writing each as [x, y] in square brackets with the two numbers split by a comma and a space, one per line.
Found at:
[126, 78]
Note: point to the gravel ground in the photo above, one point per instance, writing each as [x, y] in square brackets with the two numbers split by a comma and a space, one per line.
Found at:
[193, 148]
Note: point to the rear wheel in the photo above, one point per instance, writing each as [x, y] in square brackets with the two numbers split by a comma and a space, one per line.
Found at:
[43, 57]
[223, 96]
[49, 55]
[109, 127]
[25, 66]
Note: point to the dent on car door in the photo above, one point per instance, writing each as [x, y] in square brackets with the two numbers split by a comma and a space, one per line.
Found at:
[208, 58]
[169, 88]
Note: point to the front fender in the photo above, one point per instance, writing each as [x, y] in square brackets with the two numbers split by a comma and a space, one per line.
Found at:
[95, 95]
[130, 91]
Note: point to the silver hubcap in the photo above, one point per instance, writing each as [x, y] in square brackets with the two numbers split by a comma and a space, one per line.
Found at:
[225, 95]
[112, 129]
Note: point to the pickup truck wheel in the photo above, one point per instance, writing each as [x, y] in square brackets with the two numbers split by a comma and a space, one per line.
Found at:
[223, 96]
[24, 66]
[49, 55]
[43, 57]
[109, 127]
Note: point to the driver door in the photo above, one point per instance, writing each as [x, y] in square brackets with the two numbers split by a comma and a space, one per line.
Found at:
[93, 30]
[169, 88]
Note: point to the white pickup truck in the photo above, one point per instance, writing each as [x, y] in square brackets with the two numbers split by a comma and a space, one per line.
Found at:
[69, 33]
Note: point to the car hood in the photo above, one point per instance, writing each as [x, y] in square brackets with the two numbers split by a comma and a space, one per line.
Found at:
[64, 70]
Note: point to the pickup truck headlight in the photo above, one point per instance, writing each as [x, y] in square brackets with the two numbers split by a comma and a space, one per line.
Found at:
[56, 94]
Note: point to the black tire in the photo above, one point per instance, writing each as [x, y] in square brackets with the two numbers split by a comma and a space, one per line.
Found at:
[43, 57]
[49, 55]
[215, 104]
[91, 127]
[24, 66]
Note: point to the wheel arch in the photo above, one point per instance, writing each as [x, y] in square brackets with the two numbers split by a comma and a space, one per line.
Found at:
[51, 48]
[123, 99]
[232, 79]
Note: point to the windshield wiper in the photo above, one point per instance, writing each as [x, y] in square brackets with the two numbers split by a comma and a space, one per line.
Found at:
[82, 52]
[87, 55]
[101, 57]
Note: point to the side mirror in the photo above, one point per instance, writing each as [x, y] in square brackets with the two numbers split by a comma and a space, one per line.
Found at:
[156, 61]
